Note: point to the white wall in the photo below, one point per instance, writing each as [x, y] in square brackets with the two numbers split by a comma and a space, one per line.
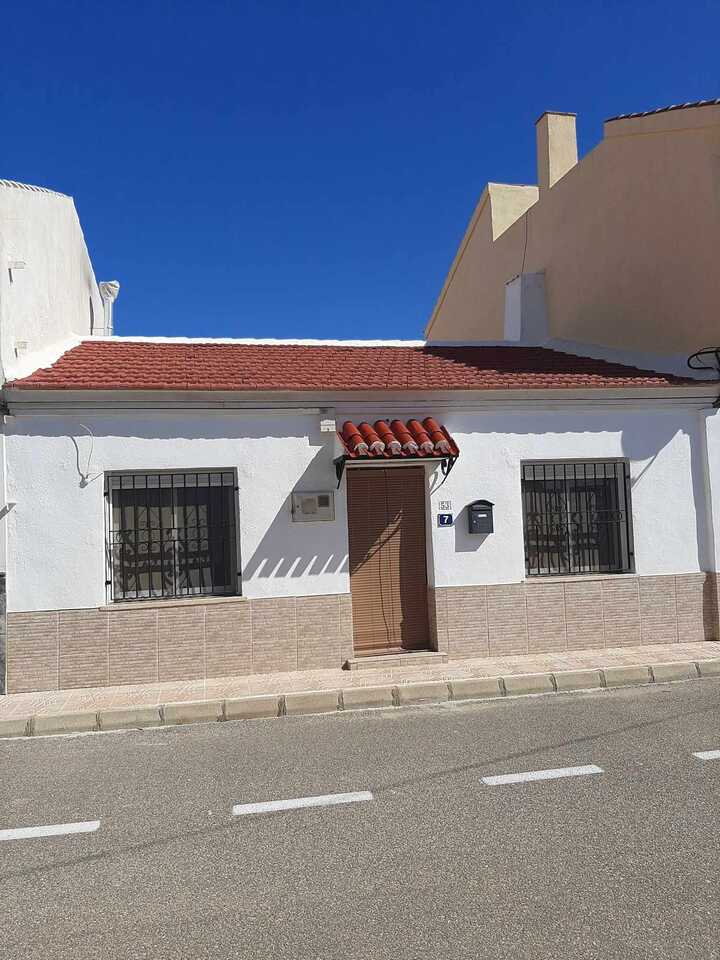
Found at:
[711, 426]
[665, 454]
[55, 295]
[59, 525]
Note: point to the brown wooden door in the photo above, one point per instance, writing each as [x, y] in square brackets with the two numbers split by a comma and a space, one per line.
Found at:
[388, 572]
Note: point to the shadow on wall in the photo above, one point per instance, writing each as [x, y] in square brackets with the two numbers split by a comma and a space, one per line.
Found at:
[665, 439]
[647, 445]
[293, 549]
[287, 549]
[466, 542]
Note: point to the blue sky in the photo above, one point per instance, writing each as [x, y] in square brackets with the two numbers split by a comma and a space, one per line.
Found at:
[307, 169]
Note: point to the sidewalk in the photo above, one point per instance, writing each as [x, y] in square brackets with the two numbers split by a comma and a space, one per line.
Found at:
[102, 698]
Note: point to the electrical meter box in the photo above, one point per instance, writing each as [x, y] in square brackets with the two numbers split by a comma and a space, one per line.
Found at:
[480, 516]
[313, 506]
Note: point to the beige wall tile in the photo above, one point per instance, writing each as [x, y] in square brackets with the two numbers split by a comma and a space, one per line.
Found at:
[620, 598]
[133, 646]
[181, 643]
[583, 600]
[659, 630]
[697, 609]
[657, 598]
[690, 594]
[585, 634]
[507, 621]
[466, 621]
[228, 639]
[83, 648]
[345, 625]
[274, 635]
[711, 607]
[545, 602]
[437, 618]
[694, 630]
[319, 639]
[32, 651]
[548, 637]
[622, 632]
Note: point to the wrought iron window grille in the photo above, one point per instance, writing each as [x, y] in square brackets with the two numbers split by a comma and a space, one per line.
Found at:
[577, 518]
[171, 534]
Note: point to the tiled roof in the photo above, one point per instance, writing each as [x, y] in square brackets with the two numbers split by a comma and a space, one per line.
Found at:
[672, 106]
[133, 365]
[397, 440]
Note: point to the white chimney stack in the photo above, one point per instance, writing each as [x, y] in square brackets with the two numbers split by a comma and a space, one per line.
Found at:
[109, 290]
[556, 147]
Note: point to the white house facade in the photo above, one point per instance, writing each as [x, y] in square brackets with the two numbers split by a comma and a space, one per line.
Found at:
[189, 510]
[48, 297]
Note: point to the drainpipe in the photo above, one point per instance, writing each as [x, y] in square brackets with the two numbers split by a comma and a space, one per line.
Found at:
[109, 290]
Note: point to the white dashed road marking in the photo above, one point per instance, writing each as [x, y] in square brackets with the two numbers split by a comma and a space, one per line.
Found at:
[708, 755]
[51, 830]
[541, 775]
[273, 806]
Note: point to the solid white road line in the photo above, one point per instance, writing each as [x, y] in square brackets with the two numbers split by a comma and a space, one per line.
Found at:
[708, 755]
[51, 830]
[542, 775]
[272, 806]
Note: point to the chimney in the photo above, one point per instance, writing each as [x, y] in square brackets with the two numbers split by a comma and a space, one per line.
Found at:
[526, 318]
[556, 147]
[109, 289]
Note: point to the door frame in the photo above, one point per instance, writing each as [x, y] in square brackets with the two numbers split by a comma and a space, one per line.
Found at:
[427, 547]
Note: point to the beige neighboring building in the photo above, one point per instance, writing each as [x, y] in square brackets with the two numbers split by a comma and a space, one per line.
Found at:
[619, 248]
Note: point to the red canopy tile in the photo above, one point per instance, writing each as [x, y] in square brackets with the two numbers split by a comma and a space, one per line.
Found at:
[397, 440]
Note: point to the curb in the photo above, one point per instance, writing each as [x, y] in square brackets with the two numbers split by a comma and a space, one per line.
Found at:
[317, 702]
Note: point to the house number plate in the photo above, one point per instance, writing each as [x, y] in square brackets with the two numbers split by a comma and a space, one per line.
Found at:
[445, 519]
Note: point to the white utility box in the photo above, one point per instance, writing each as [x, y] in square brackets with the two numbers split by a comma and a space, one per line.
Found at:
[313, 506]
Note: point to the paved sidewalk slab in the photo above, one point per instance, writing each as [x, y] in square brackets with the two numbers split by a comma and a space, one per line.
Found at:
[268, 695]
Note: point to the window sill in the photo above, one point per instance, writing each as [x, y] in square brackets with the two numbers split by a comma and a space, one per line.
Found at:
[155, 603]
[578, 577]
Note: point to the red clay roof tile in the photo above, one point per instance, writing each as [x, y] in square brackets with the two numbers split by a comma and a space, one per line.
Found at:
[397, 440]
[133, 365]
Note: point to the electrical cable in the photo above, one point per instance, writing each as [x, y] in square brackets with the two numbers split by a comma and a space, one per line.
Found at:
[522, 268]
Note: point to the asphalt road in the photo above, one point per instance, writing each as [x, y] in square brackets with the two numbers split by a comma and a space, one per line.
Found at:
[624, 863]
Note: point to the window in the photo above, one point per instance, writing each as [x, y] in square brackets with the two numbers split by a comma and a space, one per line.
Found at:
[577, 518]
[171, 534]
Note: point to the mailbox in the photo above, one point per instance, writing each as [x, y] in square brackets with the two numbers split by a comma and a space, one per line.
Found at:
[480, 517]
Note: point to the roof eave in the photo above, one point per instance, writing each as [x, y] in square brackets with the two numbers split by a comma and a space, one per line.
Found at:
[52, 400]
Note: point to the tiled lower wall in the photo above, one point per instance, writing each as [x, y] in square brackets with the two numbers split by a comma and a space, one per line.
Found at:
[56, 650]
[549, 616]
[141, 643]
[3, 632]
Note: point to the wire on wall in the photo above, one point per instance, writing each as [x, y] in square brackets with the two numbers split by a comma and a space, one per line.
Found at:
[85, 475]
